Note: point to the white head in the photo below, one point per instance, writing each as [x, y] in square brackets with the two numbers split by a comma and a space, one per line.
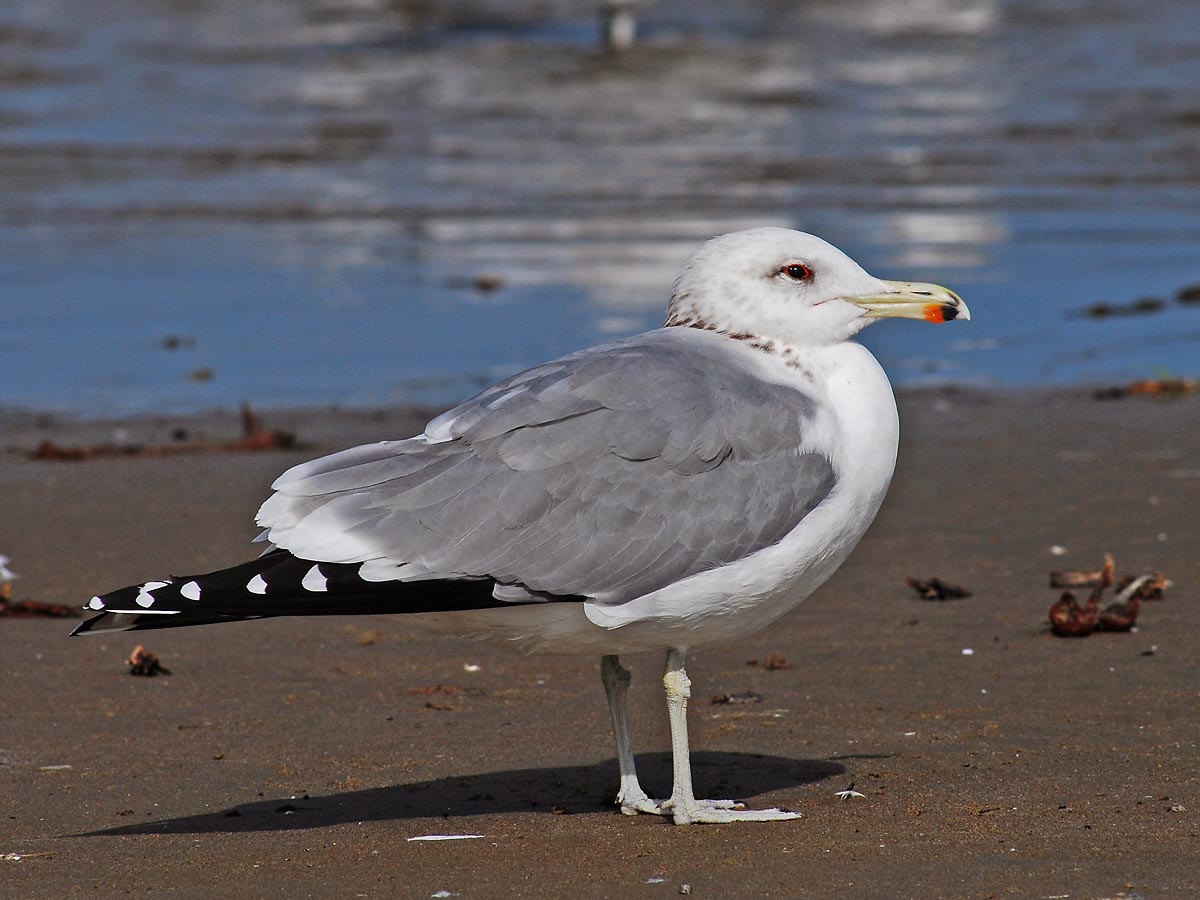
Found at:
[794, 287]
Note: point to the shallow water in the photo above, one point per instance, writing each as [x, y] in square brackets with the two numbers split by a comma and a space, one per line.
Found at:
[291, 202]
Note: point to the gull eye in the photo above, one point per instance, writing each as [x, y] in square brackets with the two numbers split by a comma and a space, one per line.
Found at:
[797, 272]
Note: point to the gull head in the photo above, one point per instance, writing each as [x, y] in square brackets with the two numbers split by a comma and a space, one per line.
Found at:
[794, 287]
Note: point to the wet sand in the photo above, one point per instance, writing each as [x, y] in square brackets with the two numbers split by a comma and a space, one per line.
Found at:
[295, 758]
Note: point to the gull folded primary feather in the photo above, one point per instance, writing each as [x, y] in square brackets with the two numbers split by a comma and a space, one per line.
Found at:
[673, 489]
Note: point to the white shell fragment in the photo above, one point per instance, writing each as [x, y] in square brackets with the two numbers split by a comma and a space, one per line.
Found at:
[444, 837]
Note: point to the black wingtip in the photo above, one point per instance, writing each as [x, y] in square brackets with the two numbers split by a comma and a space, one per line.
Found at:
[279, 584]
[103, 623]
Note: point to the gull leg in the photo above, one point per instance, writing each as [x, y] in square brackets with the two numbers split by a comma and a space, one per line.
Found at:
[631, 798]
[683, 803]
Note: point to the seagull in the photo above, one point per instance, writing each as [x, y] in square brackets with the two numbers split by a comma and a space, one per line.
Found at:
[618, 21]
[6, 574]
[667, 491]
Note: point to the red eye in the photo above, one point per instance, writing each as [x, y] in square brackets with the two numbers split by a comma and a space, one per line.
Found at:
[798, 272]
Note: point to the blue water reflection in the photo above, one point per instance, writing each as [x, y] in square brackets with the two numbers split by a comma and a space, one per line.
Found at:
[383, 201]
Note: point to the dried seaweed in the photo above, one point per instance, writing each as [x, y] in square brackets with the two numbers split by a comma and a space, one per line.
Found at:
[35, 609]
[730, 699]
[142, 662]
[772, 662]
[1151, 387]
[254, 437]
[31, 609]
[1070, 619]
[936, 589]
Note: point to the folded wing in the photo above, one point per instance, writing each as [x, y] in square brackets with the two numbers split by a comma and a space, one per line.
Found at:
[606, 474]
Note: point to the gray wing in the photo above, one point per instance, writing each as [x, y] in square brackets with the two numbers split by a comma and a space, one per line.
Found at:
[609, 473]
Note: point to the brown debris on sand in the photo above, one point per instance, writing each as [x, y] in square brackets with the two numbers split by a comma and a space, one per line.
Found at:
[1076, 578]
[35, 609]
[1151, 387]
[732, 699]
[254, 437]
[142, 662]
[435, 689]
[1069, 619]
[1120, 616]
[1147, 587]
[772, 662]
[936, 589]
[31, 609]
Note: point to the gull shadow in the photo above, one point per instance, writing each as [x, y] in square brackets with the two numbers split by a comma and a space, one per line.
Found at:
[573, 789]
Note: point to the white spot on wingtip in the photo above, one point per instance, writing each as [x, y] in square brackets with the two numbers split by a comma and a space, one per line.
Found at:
[257, 585]
[95, 603]
[314, 580]
[144, 598]
[191, 591]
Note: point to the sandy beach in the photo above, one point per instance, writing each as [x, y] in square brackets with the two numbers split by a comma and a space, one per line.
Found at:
[297, 758]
